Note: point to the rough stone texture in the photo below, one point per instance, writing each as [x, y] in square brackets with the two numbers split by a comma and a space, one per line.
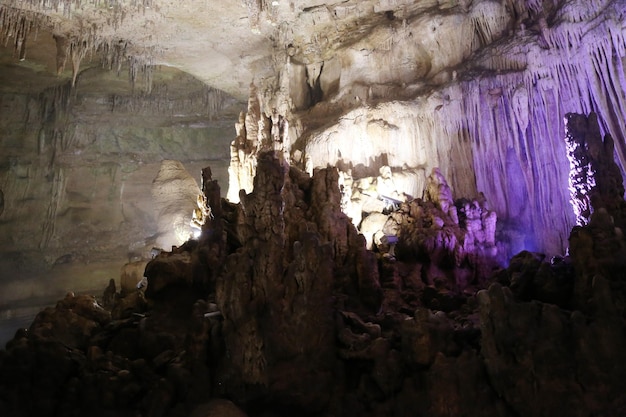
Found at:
[74, 321]
[533, 354]
[454, 240]
[412, 85]
[597, 190]
[279, 307]
[174, 193]
[168, 269]
[536, 332]
[131, 275]
[76, 172]
[278, 287]
[595, 179]
[476, 88]
[597, 251]
[482, 95]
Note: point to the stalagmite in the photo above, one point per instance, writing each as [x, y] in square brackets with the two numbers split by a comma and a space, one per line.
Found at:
[391, 155]
[595, 179]
[493, 89]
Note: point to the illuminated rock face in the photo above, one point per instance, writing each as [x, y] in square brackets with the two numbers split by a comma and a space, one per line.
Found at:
[77, 169]
[595, 179]
[174, 193]
[432, 99]
[477, 89]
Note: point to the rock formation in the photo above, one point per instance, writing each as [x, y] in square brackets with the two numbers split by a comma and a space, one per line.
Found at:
[76, 172]
[595, 179]
[411, 85]
[279, 307]
[175, 195]
[419, 122]
[478, 89]
[454, 85]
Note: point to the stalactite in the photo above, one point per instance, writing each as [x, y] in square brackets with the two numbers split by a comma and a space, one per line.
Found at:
[489, 21]
[213, 101]
[559, 85]
[77, 53]
[16, 25]
[505, 111]
[140, 64]
[91, 36]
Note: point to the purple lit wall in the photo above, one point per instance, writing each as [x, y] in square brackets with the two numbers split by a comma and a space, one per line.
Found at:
[516, 124]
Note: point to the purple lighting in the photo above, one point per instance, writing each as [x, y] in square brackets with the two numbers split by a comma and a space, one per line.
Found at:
[581, 177]
[595, 179]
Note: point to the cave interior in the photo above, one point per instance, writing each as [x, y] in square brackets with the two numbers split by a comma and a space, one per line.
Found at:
[318, 208]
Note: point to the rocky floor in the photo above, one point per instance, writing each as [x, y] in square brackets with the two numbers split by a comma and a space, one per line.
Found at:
[22, 298]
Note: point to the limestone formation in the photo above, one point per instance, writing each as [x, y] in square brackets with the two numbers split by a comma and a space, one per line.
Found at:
[76, 167]
[131, 276]
[544, 344]
[411, 85]
[392, 155]
[73, 321]
[595, 179]
[279, 296]
[175, 199]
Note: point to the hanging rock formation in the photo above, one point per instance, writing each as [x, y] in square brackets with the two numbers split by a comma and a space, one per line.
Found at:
[478, 89]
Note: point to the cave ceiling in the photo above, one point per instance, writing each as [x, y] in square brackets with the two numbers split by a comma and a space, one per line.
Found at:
[477, 88]
[226, 45]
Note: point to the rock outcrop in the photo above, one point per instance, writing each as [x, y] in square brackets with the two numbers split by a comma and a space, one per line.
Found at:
[544, 360]
[478, 89]
[279, 307]
[394, 109]
[595, 178]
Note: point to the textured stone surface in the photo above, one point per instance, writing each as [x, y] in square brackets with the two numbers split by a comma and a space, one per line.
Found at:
[595, 178]
[383, 90]
[483, 82]
[76, 172]
[533, 354]
[174, 195]
[279, 307]
[481, 95]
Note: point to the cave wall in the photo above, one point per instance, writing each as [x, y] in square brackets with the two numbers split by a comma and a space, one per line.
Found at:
[479, 89]
[78, 165]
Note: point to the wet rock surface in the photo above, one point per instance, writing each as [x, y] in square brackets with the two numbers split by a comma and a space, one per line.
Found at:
[278, 309]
